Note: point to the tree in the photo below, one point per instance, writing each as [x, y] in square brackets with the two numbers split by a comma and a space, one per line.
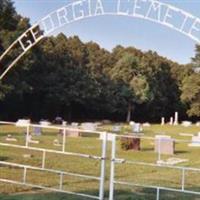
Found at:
[63, 76]
[133, 85]
[191, 94]
[12, 25]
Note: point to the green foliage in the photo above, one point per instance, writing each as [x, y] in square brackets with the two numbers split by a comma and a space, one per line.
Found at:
[126, 143]
[63, 76]
[191, 94]
[191, 87]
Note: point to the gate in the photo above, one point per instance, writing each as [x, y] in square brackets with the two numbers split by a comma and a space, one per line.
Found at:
[108, 140]
[60, 173]
[121, 161]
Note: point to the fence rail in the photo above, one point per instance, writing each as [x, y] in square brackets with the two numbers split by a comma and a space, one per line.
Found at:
[26, 146]
[121, 161]
[113, 160]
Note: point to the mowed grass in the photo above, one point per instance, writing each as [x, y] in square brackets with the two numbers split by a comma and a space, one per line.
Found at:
[90, 144]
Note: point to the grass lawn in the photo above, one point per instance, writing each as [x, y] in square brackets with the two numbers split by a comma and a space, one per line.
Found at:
[147, 175]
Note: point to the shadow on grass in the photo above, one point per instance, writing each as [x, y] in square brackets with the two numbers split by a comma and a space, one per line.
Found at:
[120, 194]
[181, 152]
[3, 158]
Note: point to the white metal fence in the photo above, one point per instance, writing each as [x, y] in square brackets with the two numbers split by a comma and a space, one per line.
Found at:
[121, 161]
[26, 168]
[113, 160]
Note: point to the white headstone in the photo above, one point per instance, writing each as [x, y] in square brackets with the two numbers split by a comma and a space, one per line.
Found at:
[146, 124]
[74, 124]
[198, 124]
[186, 123]
[164, 144]
[162, 121]
[22, 122]
[176, 118]
[171, 121]
[45, 123]
[116, 128]
[136, 128]
[89, 126]
[10, 138]
[195, 142]
[64, 123]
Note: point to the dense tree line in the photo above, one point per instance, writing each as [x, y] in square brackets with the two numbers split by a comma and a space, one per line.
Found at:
[82, 81]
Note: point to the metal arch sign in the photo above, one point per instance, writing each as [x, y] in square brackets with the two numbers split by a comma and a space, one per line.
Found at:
[152, 10]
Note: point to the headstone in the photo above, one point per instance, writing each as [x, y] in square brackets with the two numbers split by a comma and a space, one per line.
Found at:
[162, 121]
[30, 140]
[164, 144]
[56, 143]
[186, 134]
[116, 128]
[198, 124]
[37, 131]
[106, 121]
[64, 123]
[176, 118]
[58, 120]
[98, 123]
[136, 128]
[172, 161]
[195, 141]
[9, 138]
[89, 126]
[74, 124]
[45, 123]
[146, 124]
[186, 123]
[72, 133]
[171, 121]
[27, 155]
[22, 122]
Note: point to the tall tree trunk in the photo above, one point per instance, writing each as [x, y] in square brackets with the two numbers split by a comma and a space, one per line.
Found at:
[128, 118]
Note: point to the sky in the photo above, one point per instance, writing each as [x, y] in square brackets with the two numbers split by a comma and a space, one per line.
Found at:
[109, 31]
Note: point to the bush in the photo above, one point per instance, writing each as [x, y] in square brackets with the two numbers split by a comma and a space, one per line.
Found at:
[130, 143]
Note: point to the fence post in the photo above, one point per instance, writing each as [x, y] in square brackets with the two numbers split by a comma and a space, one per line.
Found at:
[61, 181]
[158, 193]
[27, 135]
[183, 180]
[24, 175]
[112, 167]
[103, 165]
[43, 159]
[159, 149]
[64, 139]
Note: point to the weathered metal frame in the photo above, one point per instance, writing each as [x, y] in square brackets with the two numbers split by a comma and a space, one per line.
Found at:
[101, 159]
[115, 160]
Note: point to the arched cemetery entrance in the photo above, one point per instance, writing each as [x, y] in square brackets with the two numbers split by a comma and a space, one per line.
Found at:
[151, 10]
